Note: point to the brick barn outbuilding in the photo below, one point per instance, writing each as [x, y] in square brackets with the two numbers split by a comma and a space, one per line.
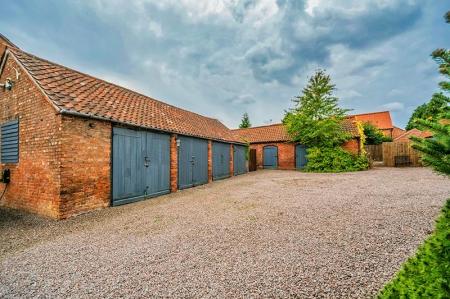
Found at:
[274, 149]
[381, 120]
[75, 143]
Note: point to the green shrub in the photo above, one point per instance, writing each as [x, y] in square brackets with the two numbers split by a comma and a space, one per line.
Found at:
[427, 274]
[334, 159]
[374, 135]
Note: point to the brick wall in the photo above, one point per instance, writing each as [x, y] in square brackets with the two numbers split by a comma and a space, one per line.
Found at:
[2, 48]
[210, 173]
[173, 163]
[3, 45]
[387, 132]
[396, 132]
[35, 178]
[64, 162]
[352, 146]
[85, 165]
[286, 154]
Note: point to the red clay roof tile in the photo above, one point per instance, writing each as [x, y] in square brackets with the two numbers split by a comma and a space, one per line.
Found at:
[278, 133]
[75, 92]
[381, 120]
[413, 132]
[396, 132]
[269, 133]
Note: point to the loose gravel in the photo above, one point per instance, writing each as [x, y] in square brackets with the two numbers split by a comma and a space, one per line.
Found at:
[264, 234]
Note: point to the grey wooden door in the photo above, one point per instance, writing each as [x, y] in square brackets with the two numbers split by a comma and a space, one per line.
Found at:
[140, 163]
[300, 156]
[270, 157]
[157, 163]
[221, 160]
[239, 160]
[192, 162]
[127, 165]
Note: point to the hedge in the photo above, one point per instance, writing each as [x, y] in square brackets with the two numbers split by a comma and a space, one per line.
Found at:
[427, 274]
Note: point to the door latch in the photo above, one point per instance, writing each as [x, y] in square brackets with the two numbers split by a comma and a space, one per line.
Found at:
[146, 161]
[6, 176]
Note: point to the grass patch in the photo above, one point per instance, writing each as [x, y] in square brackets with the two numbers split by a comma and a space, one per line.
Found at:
[427, 274]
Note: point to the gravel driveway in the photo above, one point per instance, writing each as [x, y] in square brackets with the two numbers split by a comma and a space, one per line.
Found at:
[264, 234]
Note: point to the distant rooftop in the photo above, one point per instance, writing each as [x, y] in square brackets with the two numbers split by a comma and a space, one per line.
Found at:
[277, 132]
[381, 120]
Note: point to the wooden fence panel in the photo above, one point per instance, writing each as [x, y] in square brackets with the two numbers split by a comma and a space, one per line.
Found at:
[398, 153]
[375, 152]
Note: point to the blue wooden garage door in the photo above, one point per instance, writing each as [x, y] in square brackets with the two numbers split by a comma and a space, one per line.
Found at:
[221, 160]
[240, 163]
[300, 156]
[270, 157]
[141, 165]
[192, 162]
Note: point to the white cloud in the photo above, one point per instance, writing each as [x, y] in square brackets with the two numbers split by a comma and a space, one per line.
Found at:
[259, 54]
[352, 7]
[261, 12]
[243, 99]
[311, 5]
[393, 106]
[155, 28]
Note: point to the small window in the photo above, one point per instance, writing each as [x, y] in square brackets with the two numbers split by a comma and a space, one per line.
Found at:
[10, 142]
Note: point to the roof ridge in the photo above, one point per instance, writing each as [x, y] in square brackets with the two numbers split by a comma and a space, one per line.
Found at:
[110, 83]
[11, 44]
[408, 132]
[367, 113]
[263, 126]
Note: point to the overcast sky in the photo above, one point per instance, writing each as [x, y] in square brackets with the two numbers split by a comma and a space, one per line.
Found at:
[221, 58]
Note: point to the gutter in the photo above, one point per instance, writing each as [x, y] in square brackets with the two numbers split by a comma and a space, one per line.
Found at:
[90, 116]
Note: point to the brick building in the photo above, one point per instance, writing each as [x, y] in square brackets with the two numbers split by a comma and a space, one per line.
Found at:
[275, 150]
[75, 143]
[381, 120]
[405, 137]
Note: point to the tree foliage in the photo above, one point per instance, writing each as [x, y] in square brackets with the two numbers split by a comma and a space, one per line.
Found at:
[437, 106]
[316, 122]
[316, 119]
[245, 122]
[427, 274]
[374, 135]
[428, 111]
[436, 150]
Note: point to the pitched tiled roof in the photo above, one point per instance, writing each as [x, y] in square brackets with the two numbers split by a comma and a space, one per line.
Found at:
[278, 133]
[270, 133]
[397, 132]
[5, 40]
[381, 120]
[76, 93]
[413, 132]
